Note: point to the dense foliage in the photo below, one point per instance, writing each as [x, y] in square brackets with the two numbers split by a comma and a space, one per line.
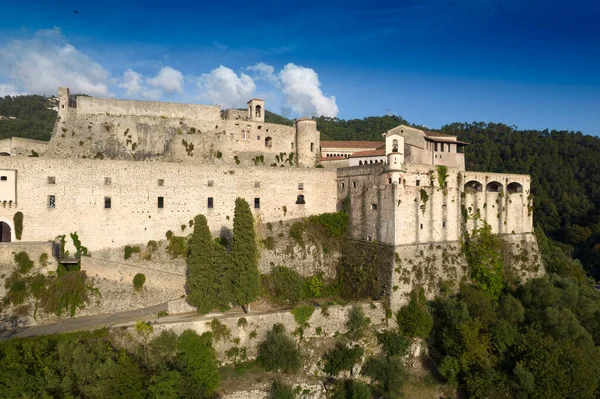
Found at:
[34, 117]
[244, 254]
[279, 352]
[90, 365]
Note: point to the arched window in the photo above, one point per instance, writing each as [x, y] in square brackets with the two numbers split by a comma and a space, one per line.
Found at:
[268, 142]
[360, 162]
[300, 200]
[4, 154]
[494, 187]
[514, 187]
[395, 145]
[4, 232]
[473, 186]
[257, 111]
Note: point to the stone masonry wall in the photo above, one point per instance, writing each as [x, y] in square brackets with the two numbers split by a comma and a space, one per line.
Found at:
[81, 186]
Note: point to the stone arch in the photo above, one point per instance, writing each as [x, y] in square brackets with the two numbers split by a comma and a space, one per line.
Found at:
[395, 145]
[257, 111]
[268, 142]
[473, 186]
[5, 232]
[360, 162]
[514, 187]
[494, 187]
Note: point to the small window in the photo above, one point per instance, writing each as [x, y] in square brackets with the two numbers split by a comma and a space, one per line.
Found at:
[442, 145]
[210, 202]
[300, 200]
[161, 182]
[374, 206]
[51, 201]
[421, 226]
[444, 224]
[389, 180]
[51, 179]
[353, 184]
[256, 203]
[231, 136]
[107, 181]
[161, 202]
[312, 147]
[210, 183]
[435, 147]
[259, 127]
[256, 184]
[300, 186]
[369, 238]
[343, 185]
[257, 137]
[292, 146]
[107, 203]
[268, 142]
[418, 183]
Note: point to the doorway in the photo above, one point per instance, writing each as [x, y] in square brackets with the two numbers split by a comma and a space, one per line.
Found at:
[5, 232]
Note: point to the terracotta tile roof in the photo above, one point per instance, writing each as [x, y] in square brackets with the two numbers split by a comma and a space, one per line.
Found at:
[370, 153]
[351, 144]
[332, 158]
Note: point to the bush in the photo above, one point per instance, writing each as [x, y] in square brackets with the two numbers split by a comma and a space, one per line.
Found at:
[387, 375]
[356, 322]
[335, 223]
[341, 358]
[302, 314]
[316, 285]
[138, 281]
[269, 243]
[220, 331]
[17, 292]
[393, 342]
[284, 285]
[296, 232]
[279, 352]
[67, 292]
[23, 262]
[130, 250]
[414, 319]
[280, 390]
[152, 246]
[351, 389]
[177, 246]
[44, 260]
[18, 220]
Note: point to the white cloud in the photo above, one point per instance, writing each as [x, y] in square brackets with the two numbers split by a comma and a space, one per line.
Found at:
[264, 71]
[222, 86]
[168, 79]
[41, 64]
[300, 86]
[131, 82]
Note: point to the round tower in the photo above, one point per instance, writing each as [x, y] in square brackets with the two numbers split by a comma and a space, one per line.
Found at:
[308, 142]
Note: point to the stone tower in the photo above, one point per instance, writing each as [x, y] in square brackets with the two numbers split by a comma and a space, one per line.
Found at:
[308, 142]
[63, 98]
[394, 150]
[256, 110]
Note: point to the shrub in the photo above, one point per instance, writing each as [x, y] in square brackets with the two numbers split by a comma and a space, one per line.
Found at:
[296, 232]
[387, 375]
[278, 351]
[242, 322]
[177, 246]
[284, 285]
[152, 246]
[130, 250]
[316, 285]
[393, 343]
[18, 220]
[44, 260]
[269, 243]
[17, 292]
[341, 358]
[356, 322]
[279, 390]
[138, 281]
[23, 262]
[67, 292]
[414, 319]
[344, 389]
[302, 314]
[220, 331]
[335, 223]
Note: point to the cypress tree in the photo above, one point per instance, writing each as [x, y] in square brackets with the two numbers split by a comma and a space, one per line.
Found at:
[207, 282]
[244, 255]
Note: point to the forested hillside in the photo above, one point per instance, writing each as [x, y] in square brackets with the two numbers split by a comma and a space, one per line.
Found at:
[34, 117]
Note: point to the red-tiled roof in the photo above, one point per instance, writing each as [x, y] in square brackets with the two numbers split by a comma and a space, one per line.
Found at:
[333, 158]
[351, 144]
[371, 153]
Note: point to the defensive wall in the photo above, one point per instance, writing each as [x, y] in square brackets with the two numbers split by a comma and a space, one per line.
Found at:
[116, 203]
[24, 147]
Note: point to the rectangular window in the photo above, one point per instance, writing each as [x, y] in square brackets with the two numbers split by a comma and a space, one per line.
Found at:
[389, 180]
[161, 202]
[343, 185]
[257, 137]
[107, 203]
[353, 184]
[444, 224]
[211, 183]
[369, 238]
[418, 183]
[435, 147]
[210, 202]
[292, 146]
[256, 203]
[300, 186]
[442, 145]
[51, 201]
[256, 184]
[51, 179]
[161, 182]
[107, 181]
[421, 226]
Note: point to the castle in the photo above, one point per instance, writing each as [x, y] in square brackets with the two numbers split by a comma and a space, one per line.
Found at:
[120, 172]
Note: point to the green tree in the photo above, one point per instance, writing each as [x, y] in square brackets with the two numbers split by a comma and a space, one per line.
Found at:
[279, 352]
[244, 255]
[198, 359]
[414, 319]
[209, 279]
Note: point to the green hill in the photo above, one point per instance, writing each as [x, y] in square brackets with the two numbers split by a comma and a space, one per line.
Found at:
[34, 119]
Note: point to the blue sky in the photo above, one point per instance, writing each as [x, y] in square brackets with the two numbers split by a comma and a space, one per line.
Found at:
[534, 64]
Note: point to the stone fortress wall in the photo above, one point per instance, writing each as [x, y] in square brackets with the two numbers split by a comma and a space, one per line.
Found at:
[80, 188]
